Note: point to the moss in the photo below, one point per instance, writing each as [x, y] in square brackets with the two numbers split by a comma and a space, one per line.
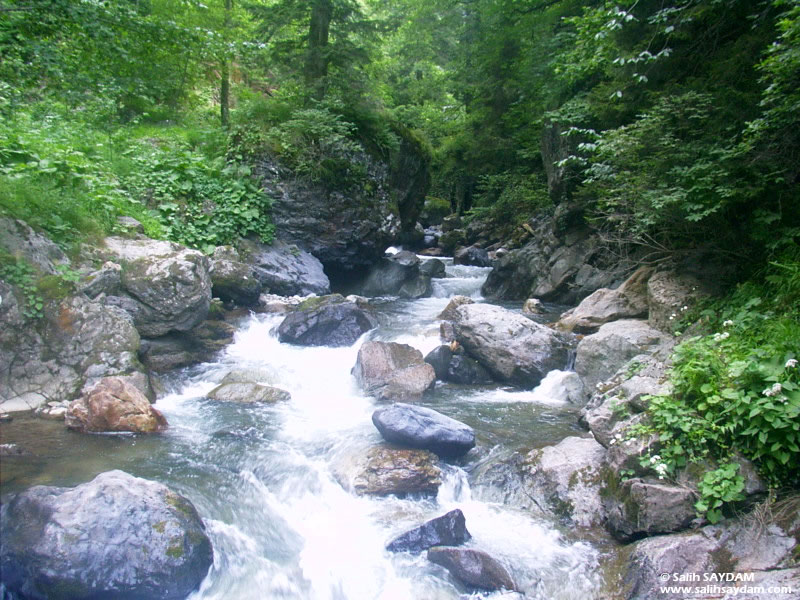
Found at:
[175, 550]
[160, 526]
[181, 504]
[317, 301]
[54, 288]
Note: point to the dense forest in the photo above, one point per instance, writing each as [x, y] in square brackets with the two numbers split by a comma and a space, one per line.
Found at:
[669, 127]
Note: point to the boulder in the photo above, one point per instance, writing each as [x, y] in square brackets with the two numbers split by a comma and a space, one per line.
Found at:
[251, 375]
[567, 479]
[398, 275]
[432, 268]
[449, 529]
[449, 313]
[601, 354]
[755, 554]
[466, 371]
[19, 240]
[385, 470]
[114, 404]
[233, 280]
[472, 256]
[670, 295]
[628, 301]
[248, 393]
[512, 347]
[420, 427]
[117, 536]
[391, 371]
[472, 567]
[285, 269]
[106, 280]
[640, 508]
[439, 358]
[327, 321]
[166, 287]
[78, 343]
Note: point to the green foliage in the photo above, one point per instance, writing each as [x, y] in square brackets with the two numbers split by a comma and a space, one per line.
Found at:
[737, 389]
[318, 144]
[21, 275]
[719, 487]
[509, 198]
[434, 211]
[202, 202]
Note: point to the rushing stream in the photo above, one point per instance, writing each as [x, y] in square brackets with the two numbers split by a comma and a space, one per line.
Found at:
[262, 476]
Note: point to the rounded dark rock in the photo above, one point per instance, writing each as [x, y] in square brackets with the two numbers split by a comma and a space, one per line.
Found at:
[326, 322]
[439, 358]
[115, 537]
[432, 268]
[473, 567]
[420, 427]
[449, 529]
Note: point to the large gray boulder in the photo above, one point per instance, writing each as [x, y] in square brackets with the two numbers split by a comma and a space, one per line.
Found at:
[757, 553]
[420, 427]
[233, 280]
[328, 321]
[567, 479]
[512, 347]
[184, 348]
[475, 568]
[248, 393]
[642, 507]
[449, 529]
[167, 287]
[392, 371]
[628, 301]
[384, 470]
[398, 275]
[601, 354]
[116, 537]
[285, 269]
[78, 343]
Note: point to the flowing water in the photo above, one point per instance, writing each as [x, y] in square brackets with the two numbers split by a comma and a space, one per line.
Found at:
[262, 476]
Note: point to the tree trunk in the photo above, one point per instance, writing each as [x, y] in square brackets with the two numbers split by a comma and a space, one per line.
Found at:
[225, 84]
[316, 64]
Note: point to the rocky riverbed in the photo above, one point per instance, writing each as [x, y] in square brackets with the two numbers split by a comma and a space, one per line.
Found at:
[300, 440]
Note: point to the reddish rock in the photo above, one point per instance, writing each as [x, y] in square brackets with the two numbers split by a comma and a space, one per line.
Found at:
[114, 404]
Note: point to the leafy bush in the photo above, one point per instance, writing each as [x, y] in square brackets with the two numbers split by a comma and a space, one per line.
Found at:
[318, 143]
[202, 203]
[737, 389]
[509, 198]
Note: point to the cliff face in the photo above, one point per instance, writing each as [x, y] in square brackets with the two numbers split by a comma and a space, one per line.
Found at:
[348, 226]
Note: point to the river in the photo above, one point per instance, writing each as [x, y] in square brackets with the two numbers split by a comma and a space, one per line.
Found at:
[262, 476]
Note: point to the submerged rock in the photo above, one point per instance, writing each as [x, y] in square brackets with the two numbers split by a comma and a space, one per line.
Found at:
[392, 371]
[384, 470]
[512, 347]
[448, 530]
[420, 427]
[473, 567]
[115, 537]
[114, 404]
[328, 321]
[248, 393]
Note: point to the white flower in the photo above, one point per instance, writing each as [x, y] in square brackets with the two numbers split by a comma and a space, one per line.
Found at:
[791, 363]
[685, 308]
[718, 337]
[727, 323]
[654, 459]
[774, 390]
